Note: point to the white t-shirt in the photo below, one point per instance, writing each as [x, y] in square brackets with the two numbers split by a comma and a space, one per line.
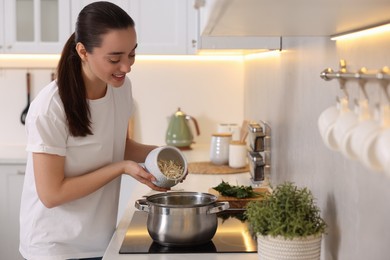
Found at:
[81, 228]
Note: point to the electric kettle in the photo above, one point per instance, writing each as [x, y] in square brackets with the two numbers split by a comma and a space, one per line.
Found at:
[179, 133]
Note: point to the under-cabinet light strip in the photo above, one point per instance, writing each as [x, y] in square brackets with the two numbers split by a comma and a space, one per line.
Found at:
[49, 61]
[376, 29]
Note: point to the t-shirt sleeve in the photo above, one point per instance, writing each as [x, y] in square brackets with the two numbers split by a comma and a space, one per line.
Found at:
[46, 135]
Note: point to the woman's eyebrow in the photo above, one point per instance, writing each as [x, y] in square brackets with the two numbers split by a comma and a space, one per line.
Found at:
[121, 52]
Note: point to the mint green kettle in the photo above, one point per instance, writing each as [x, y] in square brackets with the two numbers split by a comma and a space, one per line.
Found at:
[179, 133]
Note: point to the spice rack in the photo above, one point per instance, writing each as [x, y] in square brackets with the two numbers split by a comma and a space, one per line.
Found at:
[259, 154]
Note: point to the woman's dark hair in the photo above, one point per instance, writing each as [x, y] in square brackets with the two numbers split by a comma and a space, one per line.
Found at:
[94, 20]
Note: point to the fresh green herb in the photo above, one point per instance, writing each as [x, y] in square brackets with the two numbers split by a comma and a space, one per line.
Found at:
[241, 192]
[288, 211]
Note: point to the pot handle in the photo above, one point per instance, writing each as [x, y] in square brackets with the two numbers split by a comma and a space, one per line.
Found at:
[142, 205]
[219, 206]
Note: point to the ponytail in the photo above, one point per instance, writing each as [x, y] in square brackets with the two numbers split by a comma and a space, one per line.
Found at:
[72, 90]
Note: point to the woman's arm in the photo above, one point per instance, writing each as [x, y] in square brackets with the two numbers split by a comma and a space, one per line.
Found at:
[136, 151]
[55, 189]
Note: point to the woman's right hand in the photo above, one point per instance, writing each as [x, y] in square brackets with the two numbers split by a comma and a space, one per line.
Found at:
[140, 174]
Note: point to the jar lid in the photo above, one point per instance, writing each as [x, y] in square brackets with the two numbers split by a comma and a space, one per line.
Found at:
[237, 142]
[222, 134]
[255, 156]
[255, 128]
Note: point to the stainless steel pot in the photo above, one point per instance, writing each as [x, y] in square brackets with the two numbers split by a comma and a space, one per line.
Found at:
[181, 218]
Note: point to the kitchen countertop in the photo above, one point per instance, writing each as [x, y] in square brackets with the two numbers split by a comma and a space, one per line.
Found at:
[193, 182]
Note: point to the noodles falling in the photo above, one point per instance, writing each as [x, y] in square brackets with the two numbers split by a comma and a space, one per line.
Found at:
[170, 169]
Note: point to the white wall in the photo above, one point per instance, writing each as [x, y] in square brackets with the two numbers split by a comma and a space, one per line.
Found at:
[211, 91]
[288, 92]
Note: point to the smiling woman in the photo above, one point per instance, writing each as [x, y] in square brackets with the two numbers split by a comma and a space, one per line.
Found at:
[78, 142]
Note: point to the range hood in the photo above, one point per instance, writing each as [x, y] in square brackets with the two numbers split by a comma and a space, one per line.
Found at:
[260, 24]
[210, 15]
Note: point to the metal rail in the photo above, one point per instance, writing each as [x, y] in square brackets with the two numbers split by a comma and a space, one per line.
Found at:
[362, 74]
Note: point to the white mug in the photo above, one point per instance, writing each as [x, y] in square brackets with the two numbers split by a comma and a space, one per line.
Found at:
[375, 154]
[327, 121]
[237, 154]
[325, 125]
[346, 121]
[353, 141]
[219, 149]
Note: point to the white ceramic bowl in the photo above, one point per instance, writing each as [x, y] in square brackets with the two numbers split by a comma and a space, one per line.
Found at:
[168, 153]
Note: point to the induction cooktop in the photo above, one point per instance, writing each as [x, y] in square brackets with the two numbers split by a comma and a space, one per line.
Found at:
[232, 236]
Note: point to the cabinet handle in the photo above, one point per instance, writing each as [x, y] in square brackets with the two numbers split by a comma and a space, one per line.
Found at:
[194, 43]
[19, 172]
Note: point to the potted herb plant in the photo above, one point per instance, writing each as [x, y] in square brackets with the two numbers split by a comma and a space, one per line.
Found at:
[287, 223]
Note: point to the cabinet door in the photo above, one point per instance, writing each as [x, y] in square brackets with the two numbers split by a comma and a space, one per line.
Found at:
[11, 185]
[2, 26]
[77, 5]
[164, 27]
[35, 26]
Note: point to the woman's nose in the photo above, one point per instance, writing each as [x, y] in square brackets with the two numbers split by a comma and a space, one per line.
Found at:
[126, 66]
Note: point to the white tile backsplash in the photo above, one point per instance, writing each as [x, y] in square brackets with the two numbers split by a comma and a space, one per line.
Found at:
[288, 92]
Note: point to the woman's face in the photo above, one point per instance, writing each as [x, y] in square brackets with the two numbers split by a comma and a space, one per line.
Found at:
[110, 62]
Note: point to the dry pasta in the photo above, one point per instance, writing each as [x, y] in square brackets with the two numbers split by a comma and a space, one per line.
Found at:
[170, 169]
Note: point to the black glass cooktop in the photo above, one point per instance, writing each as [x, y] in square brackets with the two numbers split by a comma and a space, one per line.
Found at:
[232, 236]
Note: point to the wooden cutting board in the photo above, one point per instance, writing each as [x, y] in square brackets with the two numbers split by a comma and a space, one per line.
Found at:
[209, 168]
[236, 203]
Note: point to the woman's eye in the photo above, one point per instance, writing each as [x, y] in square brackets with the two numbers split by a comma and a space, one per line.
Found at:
[114, 61]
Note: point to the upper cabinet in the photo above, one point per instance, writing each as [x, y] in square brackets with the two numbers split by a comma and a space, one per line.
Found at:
[289, 18]
[165, 27]
[184, 26]
[33, 26]
[77, 5]
[43, 26]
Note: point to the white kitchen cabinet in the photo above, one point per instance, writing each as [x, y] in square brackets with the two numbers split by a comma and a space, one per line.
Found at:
[34, 26]
[43, 26]
[289, 18]
[78, 5]
[163, 27]
[211, 14]
[11, 181]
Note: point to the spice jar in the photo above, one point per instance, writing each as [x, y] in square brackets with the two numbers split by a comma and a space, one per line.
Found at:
[256, 137]
[256, 166]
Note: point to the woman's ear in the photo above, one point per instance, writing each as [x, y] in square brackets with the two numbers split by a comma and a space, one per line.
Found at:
[82, 52]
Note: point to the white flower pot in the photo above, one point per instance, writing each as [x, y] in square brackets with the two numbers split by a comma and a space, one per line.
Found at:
[278, 248]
